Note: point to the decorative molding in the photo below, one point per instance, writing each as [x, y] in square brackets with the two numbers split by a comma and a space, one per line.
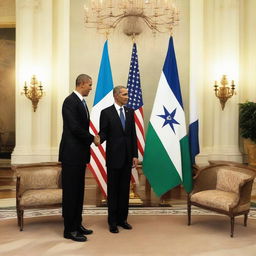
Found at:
[23, 155]
[7, 24]
[203, 158]
[29, 3]
[94, 211]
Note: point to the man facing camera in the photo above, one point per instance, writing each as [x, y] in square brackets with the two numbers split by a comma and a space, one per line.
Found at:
[117, 128]
[74, 154]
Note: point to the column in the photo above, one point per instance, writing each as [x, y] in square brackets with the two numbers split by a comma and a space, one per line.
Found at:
[42, 49]
[61, 69]
[220, 136]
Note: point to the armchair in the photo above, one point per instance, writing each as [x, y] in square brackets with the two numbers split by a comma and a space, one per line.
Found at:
[223, 188]
[38, 186]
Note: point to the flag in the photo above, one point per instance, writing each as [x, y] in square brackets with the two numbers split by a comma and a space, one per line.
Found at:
[103, 98]
[193, 123]
[166, 161]
[136, 103]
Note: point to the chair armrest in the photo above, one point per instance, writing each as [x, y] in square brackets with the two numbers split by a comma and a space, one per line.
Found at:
[205, 178]
[245, 192]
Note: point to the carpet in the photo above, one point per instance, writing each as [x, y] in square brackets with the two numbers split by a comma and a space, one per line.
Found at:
[152, 235]
[10, 212]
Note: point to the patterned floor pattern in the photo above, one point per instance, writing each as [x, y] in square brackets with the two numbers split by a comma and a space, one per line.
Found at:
[10, 212]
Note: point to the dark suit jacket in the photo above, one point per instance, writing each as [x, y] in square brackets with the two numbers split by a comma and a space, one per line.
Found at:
[121, 145]
[76, 139]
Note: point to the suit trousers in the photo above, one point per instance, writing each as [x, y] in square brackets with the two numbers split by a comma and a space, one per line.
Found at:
[73, 179]
[118, 187]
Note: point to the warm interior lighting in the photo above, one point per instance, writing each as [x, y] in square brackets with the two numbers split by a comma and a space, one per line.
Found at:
[34, 91]
[224, 92]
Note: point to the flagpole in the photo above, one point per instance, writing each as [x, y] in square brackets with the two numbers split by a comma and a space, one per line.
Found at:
[133, 38]
[171, 31]
[107, 34]
[136, 103]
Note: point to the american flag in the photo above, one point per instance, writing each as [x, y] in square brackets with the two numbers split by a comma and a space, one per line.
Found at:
[135, 100]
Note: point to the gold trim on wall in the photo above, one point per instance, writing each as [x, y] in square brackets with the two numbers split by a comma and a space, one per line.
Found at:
[7, 25]
[8, 22]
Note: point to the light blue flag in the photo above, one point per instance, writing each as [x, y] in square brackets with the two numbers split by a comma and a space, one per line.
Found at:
[103, 98]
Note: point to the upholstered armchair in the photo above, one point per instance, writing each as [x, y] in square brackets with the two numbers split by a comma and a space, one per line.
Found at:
[223, 188]
[38, 186]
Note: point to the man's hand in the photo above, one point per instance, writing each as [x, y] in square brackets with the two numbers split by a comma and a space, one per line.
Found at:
[96, 140]
[134, 162]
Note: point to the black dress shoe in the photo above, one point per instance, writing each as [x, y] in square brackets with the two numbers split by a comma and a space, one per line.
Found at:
[125, 225]
[113, 229]
[84, 230]
[75, 236]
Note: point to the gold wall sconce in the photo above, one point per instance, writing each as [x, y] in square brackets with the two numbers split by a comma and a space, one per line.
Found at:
[224, 92]
[34, 92]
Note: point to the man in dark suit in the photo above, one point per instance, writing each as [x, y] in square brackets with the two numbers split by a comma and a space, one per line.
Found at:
[74, 154]
[117, 127]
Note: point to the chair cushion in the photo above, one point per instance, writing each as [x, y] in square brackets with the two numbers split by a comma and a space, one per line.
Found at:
[39, 178]
[216, 199]
[41, 197]
[229, 180]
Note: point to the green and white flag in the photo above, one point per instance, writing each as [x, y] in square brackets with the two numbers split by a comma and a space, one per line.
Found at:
[166, 161]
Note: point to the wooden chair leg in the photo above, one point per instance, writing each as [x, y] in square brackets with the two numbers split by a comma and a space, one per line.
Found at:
[232, 222]
[21, 219]
[18, 217]
[189, 212]
[245, 219]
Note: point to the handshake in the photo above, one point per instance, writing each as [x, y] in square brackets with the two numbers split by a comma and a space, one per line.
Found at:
[96, 140]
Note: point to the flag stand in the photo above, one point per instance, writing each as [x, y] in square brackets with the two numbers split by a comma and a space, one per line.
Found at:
[134, 199]
[165, 198]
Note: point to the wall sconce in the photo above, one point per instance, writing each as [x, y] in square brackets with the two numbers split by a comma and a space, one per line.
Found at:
[224, 92]
[34, 92]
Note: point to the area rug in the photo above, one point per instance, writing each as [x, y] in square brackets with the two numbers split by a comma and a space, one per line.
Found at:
[10, 212]
[165, 235]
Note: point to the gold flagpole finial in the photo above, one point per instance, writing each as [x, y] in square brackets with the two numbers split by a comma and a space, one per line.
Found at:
[107, 34]
[171, 31]
[133, 38]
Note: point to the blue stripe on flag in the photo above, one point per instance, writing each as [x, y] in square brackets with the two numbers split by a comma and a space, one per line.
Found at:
[172, 74]
[193, 140]
[105, 81]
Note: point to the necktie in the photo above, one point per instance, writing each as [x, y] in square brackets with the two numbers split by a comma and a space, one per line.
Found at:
[122, 118]
[86, 109]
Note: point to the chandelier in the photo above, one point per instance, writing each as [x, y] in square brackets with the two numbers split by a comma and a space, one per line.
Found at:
[106, 15]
